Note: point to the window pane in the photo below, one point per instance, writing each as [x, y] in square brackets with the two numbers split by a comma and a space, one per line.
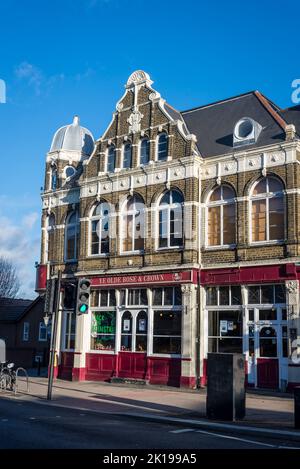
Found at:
[261, 187]
[162, 150]
[111, 159]
[126, 343]
[167, 323]
[213, 323]
[229, 224]
[168, 300]
[112, 298]
[268, 347]
[259, 220]
[141, 323]
[275, 185]
[141, 343]
[268, 314]
[276, 218]
[145, 151]
[157, 296]
[122, 297]
[284, 314]
[144, 298]
[127, 156]
[104, 298]
[230, 345]
[216, 195]
[236, 297]
[170, 345]
[163, 228]
[103, 330]
[224, 295]
[95, 298]
[178, 296]
[228, 193]
[251, 314]
[103, 342]
[279, 294]
[211, 296]
[214, 226]
[253, 295]
[267, 292]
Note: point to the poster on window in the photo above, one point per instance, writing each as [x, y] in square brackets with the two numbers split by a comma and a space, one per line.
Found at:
[223, 327]
[230, 325]
[126, 325]
[142, 325]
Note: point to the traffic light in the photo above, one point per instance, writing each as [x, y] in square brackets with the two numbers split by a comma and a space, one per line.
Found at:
[84, 287]
[70, 295]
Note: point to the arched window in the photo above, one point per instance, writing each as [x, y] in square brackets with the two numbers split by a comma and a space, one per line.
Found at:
[221, 217]
[267, 210]
[133, 224]
[141, 332]
[71, 236]
[171, 220]
[111, 159]
[50, 236]
[126, 333]
[53, 178]
[100, 229]
[144, 151]
[162, 147]
[127, 155]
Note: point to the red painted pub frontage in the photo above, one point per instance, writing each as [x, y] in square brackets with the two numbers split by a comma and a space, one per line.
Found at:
[150, 326]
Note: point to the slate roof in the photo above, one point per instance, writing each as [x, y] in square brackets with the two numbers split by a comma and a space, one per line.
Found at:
[292, 116]
[214, 123]
[11, 310]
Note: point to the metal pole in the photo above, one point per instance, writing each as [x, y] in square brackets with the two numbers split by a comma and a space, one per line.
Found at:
[54, 337]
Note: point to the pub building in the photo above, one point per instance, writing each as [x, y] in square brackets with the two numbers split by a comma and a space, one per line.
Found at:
[187, 224]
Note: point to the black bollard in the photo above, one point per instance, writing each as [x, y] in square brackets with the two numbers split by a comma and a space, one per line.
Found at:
[297, 406]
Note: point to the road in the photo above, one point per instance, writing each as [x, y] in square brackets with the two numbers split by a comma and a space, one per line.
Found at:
[26, 424]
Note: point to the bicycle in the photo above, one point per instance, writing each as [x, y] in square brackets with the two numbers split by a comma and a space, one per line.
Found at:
[7, 376]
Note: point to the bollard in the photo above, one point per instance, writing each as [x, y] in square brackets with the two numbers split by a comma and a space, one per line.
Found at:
[297, 406]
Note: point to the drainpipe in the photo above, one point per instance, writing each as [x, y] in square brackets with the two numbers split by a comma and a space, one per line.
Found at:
[198, 322]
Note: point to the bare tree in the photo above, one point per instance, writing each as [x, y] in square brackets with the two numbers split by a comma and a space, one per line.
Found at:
[9, 281]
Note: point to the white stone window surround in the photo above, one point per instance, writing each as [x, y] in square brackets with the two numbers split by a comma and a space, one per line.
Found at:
[266, 196]
[100, 218]
[221, 204]
[155, 225]
[135, 221]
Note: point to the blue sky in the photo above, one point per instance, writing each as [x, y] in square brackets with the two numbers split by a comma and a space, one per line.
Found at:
[60, 58]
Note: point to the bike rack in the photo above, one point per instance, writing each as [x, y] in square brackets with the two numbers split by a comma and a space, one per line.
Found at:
[17, 376]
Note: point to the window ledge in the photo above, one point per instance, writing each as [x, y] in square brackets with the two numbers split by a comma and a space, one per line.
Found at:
[171, 248]
[220, 247]
[267, 243]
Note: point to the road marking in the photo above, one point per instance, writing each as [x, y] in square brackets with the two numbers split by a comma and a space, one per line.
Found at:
[31, 418]
[57, 416]
[236, 438]
[82, 415]
[4, 420]
[185, 430]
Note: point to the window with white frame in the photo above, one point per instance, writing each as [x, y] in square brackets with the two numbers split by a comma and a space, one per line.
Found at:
[223, 295]
[221, 223]
[144, 151]
[103, 330]
[69, 330]
[71, 236]
[99, 223]
[167, 331]
[42, 332]
[103, 298]
[111, 159]
[25, 331]
[171, 220]
[134, 297]
[133, 224]
[127, 155]
[267, 210]
[266, 294]
[167, 296]
[162, 147]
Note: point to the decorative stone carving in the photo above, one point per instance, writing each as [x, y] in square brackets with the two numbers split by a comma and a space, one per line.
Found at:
[134, 121]
[137, 77]
[292, 286]
[120, 106]
[154, 95]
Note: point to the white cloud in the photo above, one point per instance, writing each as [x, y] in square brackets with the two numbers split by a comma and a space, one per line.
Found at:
[34, 77]
[21, 245]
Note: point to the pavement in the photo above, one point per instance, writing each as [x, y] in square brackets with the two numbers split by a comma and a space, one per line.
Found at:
[266, 412]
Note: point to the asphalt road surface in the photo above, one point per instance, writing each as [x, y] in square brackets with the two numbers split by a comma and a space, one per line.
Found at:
[34, 426]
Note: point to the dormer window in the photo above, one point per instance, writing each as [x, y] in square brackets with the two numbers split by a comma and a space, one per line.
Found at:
[246, 132]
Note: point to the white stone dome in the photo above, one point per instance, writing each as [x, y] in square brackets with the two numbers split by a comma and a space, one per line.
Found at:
[73, 137]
